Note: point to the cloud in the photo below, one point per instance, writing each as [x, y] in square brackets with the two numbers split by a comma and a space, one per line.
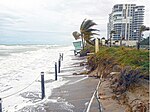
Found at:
[38, 19]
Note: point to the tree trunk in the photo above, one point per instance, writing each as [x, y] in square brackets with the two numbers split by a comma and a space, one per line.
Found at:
[138, 43]
[82, 42]
[121, 42]
[110, 39]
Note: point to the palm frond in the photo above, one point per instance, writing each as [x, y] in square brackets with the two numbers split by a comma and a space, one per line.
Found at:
[90, 30]
[82, 24]
[87, 37]
[91, 37]
[144, 28]
[113, 32]
[93, 34]
[88, 24]
[76, 35]
[89, 42]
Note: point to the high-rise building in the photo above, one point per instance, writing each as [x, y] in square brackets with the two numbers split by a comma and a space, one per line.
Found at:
[126, 20]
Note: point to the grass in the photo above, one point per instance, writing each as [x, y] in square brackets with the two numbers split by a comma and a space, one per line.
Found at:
[124, 57]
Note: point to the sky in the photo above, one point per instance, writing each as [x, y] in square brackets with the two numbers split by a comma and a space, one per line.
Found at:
[53, 21]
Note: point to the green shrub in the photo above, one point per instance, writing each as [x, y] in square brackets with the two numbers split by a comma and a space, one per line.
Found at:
[123, 57]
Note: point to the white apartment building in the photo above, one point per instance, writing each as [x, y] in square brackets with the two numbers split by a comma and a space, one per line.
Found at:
[126, 20]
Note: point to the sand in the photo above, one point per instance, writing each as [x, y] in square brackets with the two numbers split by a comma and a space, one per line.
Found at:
[127, 101]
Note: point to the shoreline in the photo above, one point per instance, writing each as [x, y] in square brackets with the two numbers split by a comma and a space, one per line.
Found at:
[74, 95]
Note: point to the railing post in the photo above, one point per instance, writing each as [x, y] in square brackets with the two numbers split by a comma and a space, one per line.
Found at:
[42, 85]
[62, 56]
[55, 70]
[59, 64]
[0, 105]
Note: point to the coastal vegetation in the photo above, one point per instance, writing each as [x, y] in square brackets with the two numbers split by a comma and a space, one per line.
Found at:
[86, 32]
[127, 72]
[123, 57]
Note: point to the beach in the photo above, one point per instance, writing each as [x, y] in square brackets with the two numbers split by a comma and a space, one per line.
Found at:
[21, 84]
[74, 91]
[20, 73]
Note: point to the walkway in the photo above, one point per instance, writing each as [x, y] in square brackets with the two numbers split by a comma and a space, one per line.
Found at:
[74, 96]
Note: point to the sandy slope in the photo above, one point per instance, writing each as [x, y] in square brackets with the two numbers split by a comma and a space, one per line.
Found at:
[126, 102]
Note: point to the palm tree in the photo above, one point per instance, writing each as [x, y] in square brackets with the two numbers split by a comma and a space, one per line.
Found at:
[76, 35]
[142, 29]
[121, 39]
[112, 32]
[106, 42]
[87, 32]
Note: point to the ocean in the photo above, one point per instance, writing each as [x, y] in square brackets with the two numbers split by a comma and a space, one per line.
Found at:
[20, 69]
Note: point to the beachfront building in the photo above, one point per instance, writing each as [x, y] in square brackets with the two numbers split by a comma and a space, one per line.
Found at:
[126, 20]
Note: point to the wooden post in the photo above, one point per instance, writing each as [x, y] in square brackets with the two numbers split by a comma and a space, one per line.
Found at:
[59, 64]
[55, 70]
[0, 105]
[62, 56]
[42, 85]
[96, 45]
[59, 59]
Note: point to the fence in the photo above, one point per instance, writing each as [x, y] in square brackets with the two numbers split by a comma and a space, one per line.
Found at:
[61, 56]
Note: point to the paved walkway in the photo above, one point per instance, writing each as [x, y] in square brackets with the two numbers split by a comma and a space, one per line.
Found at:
[74, 96]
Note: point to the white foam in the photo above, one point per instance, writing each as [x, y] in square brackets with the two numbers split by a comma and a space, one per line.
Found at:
[20, 69]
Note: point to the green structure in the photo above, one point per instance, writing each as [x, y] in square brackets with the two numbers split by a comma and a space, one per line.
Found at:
[78, 46]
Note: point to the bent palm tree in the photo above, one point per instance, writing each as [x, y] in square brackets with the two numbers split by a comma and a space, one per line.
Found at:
[87, 32]
[76, 35]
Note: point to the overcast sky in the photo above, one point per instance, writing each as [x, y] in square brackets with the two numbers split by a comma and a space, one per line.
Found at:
[53, 21]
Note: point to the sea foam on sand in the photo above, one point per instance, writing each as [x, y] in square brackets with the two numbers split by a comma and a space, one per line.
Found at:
[20, 74]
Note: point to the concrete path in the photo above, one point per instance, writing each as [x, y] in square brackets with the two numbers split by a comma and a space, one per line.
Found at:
[74, 96]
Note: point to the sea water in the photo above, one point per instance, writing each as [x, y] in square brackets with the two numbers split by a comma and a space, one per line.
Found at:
[20, 69]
